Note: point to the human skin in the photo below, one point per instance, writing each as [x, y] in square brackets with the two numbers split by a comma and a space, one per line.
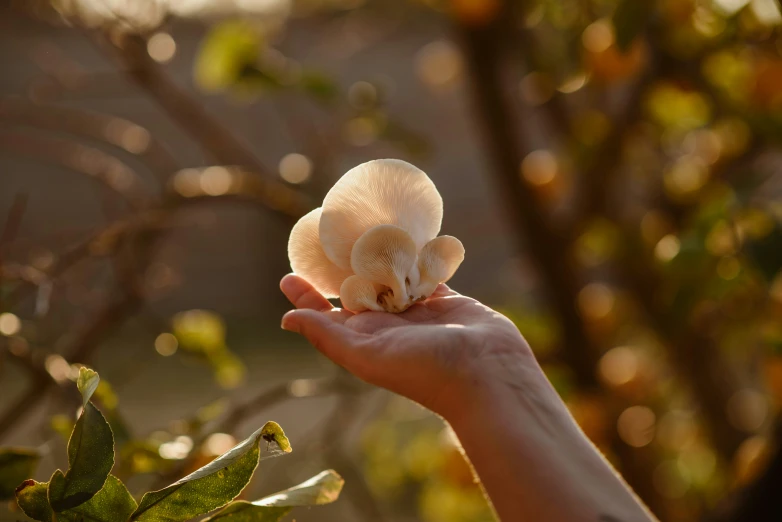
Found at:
[470, 364]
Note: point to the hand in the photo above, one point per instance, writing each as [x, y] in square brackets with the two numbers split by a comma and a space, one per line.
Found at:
[429, 353]
[470, 364]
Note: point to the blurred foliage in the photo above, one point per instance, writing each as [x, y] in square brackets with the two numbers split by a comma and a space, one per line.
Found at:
[657, 128]
[410, 455]
[202, 333]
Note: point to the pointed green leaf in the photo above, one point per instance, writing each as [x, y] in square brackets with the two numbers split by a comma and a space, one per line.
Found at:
[16, 465]
[215, 484]
[272, 433]
[113, 503]
[90, 455]
[87, 383]
[323, 488]
[31, 498]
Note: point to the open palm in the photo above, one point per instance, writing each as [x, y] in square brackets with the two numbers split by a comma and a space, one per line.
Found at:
[421, 353]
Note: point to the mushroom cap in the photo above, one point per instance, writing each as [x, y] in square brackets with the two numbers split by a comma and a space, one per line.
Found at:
[358, 294]
[309, 260]
[438, 260]
[379, 192]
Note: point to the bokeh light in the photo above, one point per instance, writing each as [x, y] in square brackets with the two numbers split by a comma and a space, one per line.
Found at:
[747, 410]
[166, 344]
[667, 248]
[161, 47]
[215, 181]
[10, 324]
[636, 426]
[58, 368]
[598, 36]
[619, 365]
[439, 63]
[596, 301]
[295, 168]
[539, 167]
[218, 443]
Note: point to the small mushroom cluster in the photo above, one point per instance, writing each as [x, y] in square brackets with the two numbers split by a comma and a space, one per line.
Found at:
[374, 241]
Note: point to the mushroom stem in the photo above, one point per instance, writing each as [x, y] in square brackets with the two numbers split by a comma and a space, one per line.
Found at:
[396, 299]
[386, 254]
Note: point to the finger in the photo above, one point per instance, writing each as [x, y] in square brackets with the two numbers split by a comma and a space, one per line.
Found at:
[342, 345]
[443, 290]
[302, 294]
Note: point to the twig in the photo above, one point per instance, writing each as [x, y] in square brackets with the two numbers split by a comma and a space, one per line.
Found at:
[11, 227]
[79, 158]
[116, 131]
[191, 117]
[77, 350]
[103, 242]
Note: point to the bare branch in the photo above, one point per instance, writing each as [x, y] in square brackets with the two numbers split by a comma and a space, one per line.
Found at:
[119, 132]
[206, 130]
[82, 159]
[78, 349]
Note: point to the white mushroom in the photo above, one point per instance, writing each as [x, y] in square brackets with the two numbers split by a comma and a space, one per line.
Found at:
[309, 260]
[374, 241]
[358, 294]
[379, 192]
[437, 262]
[386, 254]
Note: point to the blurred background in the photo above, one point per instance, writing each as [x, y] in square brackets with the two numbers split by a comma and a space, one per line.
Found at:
[612, 168]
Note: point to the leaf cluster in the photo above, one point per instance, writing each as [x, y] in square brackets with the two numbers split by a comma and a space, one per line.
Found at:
[88, 492]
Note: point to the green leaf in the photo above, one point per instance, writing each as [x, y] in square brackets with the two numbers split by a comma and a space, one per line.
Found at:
[113, 503]
[319, 86]
[199, 331]
[242, 511]
[214, 485]
[272, 433]
[16, 465]
[31, 498]
[629, 20]
[226, 52]
[90, 455]
[87, 383]
[323, 488]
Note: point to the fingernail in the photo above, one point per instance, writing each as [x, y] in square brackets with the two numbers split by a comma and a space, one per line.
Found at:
[289, 325]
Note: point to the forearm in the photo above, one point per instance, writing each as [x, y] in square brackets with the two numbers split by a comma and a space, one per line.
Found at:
[533, 460]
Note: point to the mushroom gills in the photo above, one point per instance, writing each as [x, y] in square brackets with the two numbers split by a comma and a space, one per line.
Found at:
[358, 294]
[438, 260]
[386, 255]
[308, 259]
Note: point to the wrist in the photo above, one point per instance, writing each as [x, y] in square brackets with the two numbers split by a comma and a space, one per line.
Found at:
[489, 382]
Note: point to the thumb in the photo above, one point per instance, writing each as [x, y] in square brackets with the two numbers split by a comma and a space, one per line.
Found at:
[334, 340]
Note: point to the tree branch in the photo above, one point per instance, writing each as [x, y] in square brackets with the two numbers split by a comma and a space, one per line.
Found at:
[119, 132]
[81, 159]
[206, 130]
